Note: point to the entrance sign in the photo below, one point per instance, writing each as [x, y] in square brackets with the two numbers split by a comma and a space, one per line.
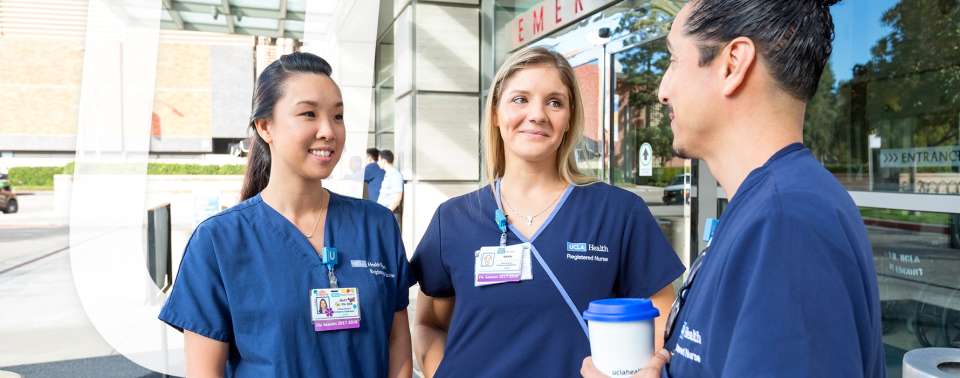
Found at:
[948, 156]
[549, 15]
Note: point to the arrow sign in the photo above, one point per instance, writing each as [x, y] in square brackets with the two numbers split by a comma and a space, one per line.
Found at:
[645, 166]
[947, 156]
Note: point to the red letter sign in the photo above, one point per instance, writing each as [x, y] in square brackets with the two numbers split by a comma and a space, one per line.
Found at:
[557, 18]
[520, 29]
[537, 21]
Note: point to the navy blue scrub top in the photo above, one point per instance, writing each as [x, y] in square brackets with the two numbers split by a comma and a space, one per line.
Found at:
[600, 241]
[787, 287]
[246, 277]
[373, 176]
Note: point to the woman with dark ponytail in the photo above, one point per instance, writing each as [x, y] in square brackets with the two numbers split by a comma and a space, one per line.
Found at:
[295, 280]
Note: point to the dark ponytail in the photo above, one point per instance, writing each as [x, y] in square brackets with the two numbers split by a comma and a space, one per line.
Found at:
[267, 92]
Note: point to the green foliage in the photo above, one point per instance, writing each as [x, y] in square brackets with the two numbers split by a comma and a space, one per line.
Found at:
[905, 216]
[42, 177]
[820, 131]
[907, 93]
[912, 83]
[32, 176]
[194, 169]
[662, 176]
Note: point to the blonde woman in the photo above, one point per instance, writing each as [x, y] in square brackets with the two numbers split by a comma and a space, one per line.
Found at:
[558, 239]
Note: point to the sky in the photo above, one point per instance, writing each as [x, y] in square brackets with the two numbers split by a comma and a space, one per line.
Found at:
[857, 29]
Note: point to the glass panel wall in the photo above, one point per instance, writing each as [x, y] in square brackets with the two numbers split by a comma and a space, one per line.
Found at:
[383, 92]
[638, 118]
[886, 118]
[887, 115]
[589, 151]
[917, 257]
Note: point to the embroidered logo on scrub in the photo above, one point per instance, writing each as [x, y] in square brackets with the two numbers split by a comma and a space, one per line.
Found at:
[376, 268]
[692, 335]
[573, 248]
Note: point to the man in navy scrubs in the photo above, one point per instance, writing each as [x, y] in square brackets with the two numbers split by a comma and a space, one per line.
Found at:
[372, 175]
[787, 286]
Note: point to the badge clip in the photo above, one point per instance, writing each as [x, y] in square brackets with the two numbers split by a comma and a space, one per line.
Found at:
[709, 229]
[329, 258]
[501, 220]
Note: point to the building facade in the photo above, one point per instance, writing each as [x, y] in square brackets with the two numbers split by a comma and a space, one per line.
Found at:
[202, 80]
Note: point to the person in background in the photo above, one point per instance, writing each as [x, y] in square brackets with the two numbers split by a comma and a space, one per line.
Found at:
[391, 192]
[372, 175]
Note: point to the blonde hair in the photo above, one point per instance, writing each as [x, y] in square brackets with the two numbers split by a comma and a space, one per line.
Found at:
[493, 152]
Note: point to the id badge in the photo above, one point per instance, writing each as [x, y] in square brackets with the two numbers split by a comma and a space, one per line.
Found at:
[495, 265]
[335, 309]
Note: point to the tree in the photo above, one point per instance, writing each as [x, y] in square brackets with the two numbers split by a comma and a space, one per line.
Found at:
[820, 121]
[641, 117]
[912, 82]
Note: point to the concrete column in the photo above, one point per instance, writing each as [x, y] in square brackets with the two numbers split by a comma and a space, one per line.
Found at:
[437, 108]
[349, 47]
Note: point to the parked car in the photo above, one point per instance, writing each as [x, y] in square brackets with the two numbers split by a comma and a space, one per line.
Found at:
[241, 148]
[678, 190]
[8, 199]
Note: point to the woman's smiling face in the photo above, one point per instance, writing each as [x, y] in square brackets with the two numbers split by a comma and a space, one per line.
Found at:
[533, 113]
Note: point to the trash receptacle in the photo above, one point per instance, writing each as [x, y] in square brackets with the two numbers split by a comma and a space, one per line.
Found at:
[931, 363]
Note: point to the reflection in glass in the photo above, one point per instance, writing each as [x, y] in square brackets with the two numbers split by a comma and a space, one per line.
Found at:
[917, 258]
[385, 117]
[887, 114]
[589, 152]
[384, 109]
[638, 119]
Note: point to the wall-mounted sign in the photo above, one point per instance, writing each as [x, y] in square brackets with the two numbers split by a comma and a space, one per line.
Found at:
[645, 158]
[948, 156]
[549, 15]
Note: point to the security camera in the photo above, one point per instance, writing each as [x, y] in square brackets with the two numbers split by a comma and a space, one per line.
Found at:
[603, 33]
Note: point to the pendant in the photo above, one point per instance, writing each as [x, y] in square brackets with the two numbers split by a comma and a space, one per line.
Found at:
[529, 220]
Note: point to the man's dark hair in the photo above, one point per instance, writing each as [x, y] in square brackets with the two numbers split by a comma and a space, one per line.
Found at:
[373, 153]
[387, 155]
[795, 37]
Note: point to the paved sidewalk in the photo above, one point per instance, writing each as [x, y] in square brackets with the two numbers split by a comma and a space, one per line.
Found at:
[42, 320]
[96, 367]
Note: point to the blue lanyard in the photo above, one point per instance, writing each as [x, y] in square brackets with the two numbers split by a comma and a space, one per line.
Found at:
[501, 220]
[709, 229]
[329, 257]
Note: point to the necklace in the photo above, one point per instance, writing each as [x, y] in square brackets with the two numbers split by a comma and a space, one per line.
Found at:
[528, 219]
[317, 224]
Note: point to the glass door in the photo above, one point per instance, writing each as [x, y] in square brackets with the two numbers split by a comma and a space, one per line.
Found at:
[589, 153]
[641, 157]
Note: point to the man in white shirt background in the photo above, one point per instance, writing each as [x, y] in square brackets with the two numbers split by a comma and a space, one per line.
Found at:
[391, 191]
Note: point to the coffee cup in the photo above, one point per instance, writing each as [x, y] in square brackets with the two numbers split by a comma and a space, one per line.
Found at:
[621, 334]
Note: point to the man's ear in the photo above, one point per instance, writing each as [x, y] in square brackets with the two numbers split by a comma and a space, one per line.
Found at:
[737, 60]
[263, 129]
